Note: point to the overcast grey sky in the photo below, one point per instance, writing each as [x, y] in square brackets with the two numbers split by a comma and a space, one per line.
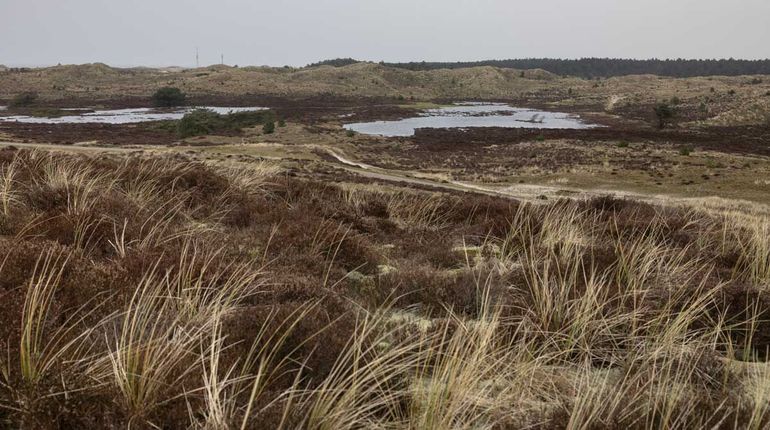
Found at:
[296, 32]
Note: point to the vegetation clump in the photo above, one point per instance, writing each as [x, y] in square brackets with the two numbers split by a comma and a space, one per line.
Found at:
[204, 121]
[25, 99]
[664, 113]
[169, 97]
[200, 122]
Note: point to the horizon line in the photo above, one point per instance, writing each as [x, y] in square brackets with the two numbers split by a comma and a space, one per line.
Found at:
[156, 66]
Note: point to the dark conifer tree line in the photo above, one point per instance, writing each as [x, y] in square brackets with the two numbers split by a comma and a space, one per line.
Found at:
[598, 67]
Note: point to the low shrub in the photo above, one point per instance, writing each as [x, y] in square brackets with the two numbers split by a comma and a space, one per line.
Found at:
[26, 99]
[203, 121]
[169, 97]
[237, 120]
[664, 113]
[199, 122]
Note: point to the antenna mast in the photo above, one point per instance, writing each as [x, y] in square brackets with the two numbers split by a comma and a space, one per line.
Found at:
[197, 62]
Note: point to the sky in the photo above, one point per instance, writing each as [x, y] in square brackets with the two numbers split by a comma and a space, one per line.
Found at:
[298, 32]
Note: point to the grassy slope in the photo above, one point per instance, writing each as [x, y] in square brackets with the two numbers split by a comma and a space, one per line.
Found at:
[162, 292]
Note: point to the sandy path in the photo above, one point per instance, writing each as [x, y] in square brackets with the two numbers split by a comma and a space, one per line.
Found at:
[514, 191]
[521, 192]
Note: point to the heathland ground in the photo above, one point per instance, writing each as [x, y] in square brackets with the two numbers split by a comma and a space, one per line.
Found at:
[312, 278]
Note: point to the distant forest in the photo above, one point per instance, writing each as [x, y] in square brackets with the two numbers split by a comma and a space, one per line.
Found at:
[598, 67]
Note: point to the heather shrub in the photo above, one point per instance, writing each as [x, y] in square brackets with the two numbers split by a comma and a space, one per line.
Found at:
[156, 292]
[430, 290]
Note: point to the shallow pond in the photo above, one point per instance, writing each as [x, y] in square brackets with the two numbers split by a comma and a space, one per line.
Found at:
[468, 115]
[122, 116]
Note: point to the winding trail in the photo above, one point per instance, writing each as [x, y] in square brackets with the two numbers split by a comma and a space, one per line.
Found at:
[535, 193]
[518, 191]
[373, 172]
[361, 169]
[512, 191]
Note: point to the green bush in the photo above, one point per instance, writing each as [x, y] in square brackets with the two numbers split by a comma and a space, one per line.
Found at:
[281, 123]
[350, 133]
[269, 127]
[623, 144]
[685, 150]
[200, 122]
[203, 121]
[24, 100]
[239, 120]
[664, 112]
[168, 97]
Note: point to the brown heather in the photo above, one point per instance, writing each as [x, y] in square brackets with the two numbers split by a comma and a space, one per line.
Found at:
[164, 293]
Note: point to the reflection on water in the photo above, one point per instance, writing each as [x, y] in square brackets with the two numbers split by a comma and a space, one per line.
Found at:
[468, 115]
[122, 116]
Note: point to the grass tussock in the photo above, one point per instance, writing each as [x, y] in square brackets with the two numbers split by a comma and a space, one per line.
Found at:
[164, 293]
